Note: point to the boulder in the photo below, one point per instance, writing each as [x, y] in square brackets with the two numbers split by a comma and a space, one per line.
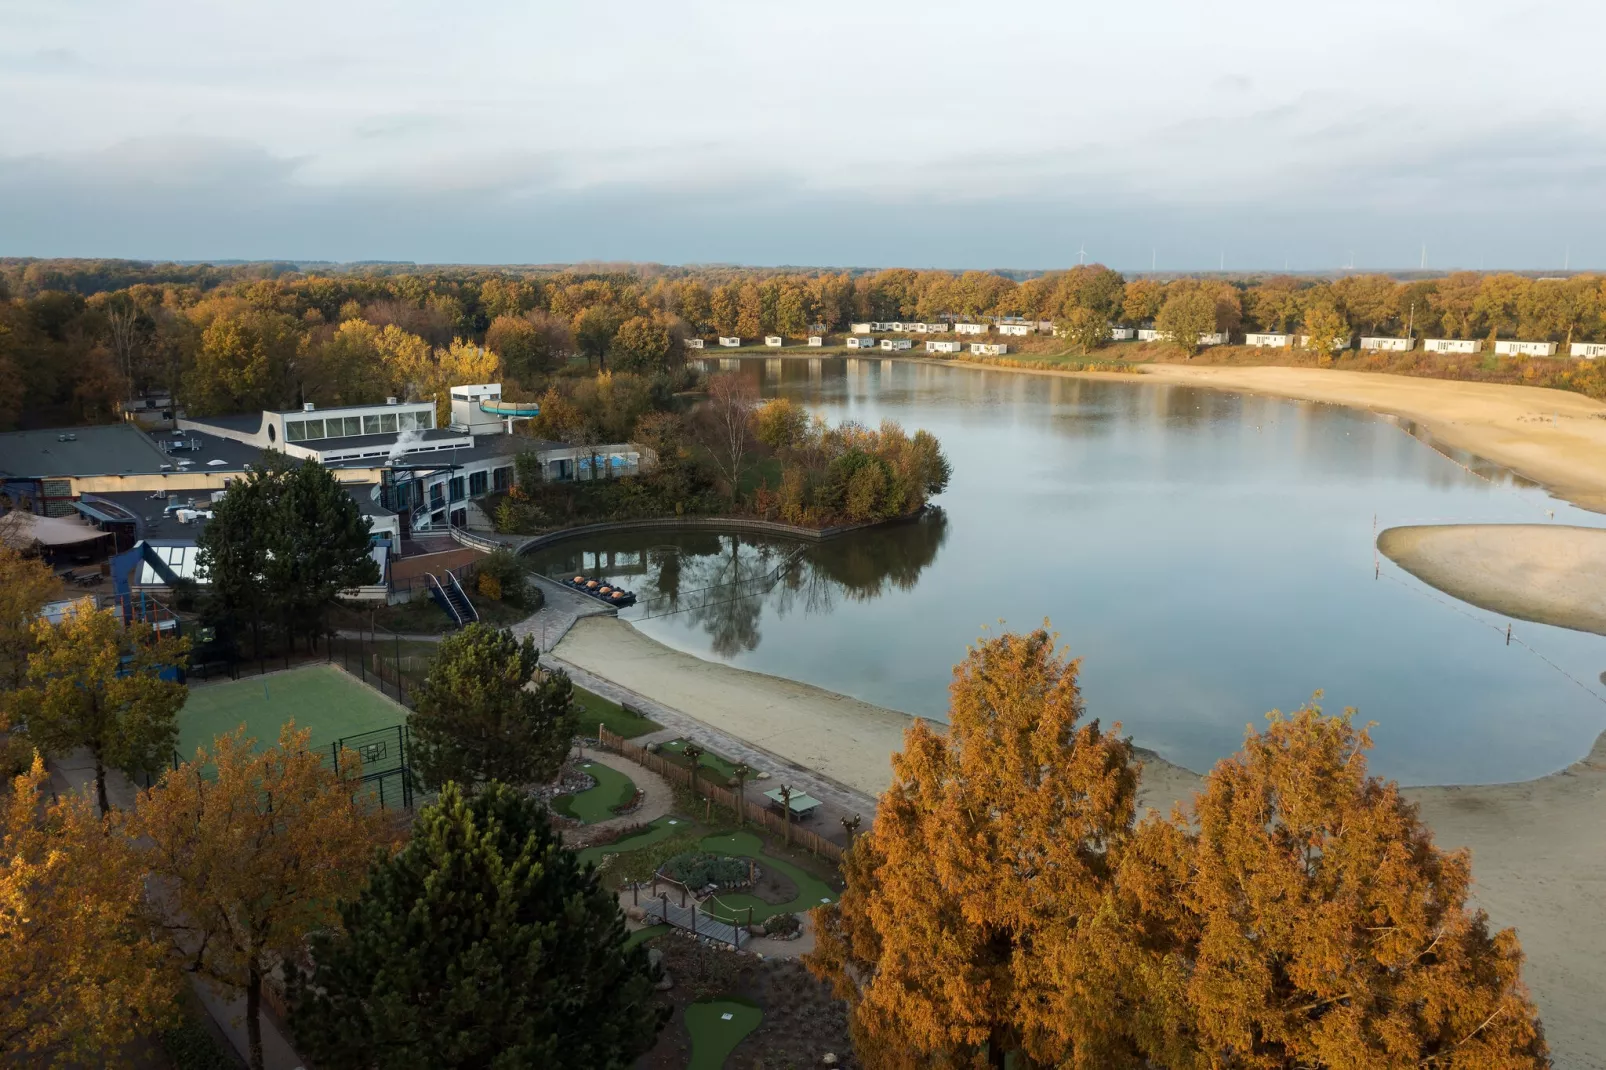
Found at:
[635, 913]
[655, 957]
[665, 983]
[828, 1059]
[757, 928]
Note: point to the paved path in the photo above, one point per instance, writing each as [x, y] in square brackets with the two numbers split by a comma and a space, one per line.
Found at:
[658, 798]
[558, 612]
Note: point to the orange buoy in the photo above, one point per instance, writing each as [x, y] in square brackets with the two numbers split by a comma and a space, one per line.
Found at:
[617, 594]
[591, 583]
[579, 579]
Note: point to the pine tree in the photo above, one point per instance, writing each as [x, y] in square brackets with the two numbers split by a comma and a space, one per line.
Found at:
[1304, 918]
[486, 712]
[482, 943]
[971, 924]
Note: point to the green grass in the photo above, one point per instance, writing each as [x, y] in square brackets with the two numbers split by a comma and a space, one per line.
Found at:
[596, 803]
[675, 750]
[811, 891]
[656, 832]
[713, 1038]
[641, 936]
[317, 697]
[619, 720]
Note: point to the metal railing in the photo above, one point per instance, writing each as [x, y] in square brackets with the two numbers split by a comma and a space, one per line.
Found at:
[473, 613]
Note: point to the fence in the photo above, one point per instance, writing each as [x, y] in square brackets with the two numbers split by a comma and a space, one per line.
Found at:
[754, 812]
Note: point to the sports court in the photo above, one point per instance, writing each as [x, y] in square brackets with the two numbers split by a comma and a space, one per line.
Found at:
[319, 697]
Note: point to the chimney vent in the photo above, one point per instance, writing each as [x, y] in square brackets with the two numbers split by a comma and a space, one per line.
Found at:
[308, 407]
[390, 401]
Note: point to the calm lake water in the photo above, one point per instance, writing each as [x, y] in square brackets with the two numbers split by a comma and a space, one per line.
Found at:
[1208, 555]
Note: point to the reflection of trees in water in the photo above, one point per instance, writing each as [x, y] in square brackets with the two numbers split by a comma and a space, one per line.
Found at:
[720, 583]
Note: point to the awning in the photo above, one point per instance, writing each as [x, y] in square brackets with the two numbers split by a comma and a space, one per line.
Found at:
[102, 514]
[22, 531]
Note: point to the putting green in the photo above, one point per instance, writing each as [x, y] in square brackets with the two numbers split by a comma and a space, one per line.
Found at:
[641, 936]
[721, 766]
[322, 698]
[716, 1027]
[596, 803]
[661, 829]
[811, 891]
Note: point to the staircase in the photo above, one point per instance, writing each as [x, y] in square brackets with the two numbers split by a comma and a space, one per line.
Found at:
[451, 597]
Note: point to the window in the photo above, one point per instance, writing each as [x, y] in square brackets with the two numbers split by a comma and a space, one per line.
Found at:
[314, 428]
[436, 497]
[295, 430]
[370, 424]
[387, 423]
[426, 420]
[457, 488]
[502, 478]
[404, 421]
[349, 426]
[477, 483]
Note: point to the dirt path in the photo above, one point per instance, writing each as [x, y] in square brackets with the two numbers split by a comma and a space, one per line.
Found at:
[657, 799]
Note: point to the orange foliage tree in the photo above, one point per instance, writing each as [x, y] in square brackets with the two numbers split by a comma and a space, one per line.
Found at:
[973, 922]
[1304, 918]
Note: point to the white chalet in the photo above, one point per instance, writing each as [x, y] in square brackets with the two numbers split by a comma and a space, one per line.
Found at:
[1391, 345]
[1016, 330]
[1525, 349]
[1589, 350]
[944, 346]
[989, 349]
[816, 340]
[729, 342]
[774, 341]
[1452, 345]
[896, 344]
[1268, 340]
[861, 328]
[1122, 334]
[859, 342]
[694, 343]
[970, 328]
[1148, 334]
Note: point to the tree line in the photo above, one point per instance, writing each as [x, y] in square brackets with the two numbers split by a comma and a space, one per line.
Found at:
[78, 337]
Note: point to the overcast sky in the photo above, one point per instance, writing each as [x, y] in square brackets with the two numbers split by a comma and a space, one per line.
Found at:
[993, 133]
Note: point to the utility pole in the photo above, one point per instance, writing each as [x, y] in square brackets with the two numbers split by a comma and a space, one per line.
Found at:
[1424, 265]
[1152, 257]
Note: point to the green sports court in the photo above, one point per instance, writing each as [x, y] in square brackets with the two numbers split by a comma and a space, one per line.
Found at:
[322, 698]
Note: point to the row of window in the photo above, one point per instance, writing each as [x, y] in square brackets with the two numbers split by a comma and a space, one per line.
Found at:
[379, 423]
[453, 488]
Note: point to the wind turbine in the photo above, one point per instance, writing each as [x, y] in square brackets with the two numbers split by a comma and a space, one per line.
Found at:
[1081, 254]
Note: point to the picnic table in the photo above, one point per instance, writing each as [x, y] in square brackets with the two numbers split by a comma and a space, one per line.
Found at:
[802, 805]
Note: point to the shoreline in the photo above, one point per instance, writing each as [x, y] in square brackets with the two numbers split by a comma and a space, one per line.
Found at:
[1554, 438]
[1538, 846]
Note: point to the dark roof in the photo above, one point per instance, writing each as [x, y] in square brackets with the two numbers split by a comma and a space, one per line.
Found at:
[367, 504]
[352, 442]
[234, 454]
[484, 446]
[109, 449]
[148, 508]
[240, 421]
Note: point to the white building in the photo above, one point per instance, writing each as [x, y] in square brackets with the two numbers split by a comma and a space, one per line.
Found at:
[861, 328]
[936, 346]
[1216, 338]
[1148, 334]
[729, 343]
[1525, 349]
[858, 342]
[816, 340]
[970, 328]
[1390, 345]
[989, 349]
[936, 328]
[1590, 350]
[896, 344]
[694, 343]
[1016, 330]
[1272, 340]
[1122, 334]
[774, 341]
[1451, 345]
[1338, 343]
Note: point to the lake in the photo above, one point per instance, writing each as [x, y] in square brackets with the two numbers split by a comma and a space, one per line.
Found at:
[1208, 555]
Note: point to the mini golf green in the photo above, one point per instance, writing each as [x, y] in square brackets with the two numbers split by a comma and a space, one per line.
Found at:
[596, 803]
[722, 766]
[661, 829]
[716, 1027]
[811, 891]
[641, 936]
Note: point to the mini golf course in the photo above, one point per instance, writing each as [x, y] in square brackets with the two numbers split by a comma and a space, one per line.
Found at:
[677, 749]
[661, 829]
[716, 1027]
[597, 803]
[811, 891]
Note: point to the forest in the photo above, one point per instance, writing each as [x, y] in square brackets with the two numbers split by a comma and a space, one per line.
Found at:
[77, 337]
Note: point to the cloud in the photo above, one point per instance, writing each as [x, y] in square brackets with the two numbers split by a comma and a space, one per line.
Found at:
[1233, 83]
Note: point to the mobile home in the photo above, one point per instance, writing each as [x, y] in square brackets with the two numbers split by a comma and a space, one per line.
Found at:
[1269, 340]
[1338, 343]
[1525, 349]
[694, 343]
[861, 328]
[1591, 350]
[970, 328]
[1148, 334]
[1016, 330]
[1215, 338]
[729, 343]
[896, 344]
[1390, 345]
[944, 347]
[774, 341]
[1451, 345]
[1122, 334]
[859, 342]
[816, 340]
[989, 349]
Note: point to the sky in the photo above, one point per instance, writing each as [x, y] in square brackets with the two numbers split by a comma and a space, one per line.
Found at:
[991, 134]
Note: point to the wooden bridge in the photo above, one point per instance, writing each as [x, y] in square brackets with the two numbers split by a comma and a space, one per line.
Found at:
[662, 908]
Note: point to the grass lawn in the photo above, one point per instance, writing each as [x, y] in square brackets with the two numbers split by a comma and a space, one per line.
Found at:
[319, 697]
[716, 1027]
[675, 750]
[619, 720]
[641, 936]
[595, 804]
[811, 891]
[656, 832]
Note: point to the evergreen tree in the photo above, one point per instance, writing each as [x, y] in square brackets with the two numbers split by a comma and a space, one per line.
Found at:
[482, 943]
[487, 712]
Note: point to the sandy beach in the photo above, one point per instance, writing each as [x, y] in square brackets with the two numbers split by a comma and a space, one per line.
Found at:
[1553, 574]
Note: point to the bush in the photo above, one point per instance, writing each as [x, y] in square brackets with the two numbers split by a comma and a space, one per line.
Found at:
[501, 577]
[782, 924]
[695, 869]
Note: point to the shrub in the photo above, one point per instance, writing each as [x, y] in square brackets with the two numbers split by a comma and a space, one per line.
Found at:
[782, 924]
[501, 577]
[698, 868]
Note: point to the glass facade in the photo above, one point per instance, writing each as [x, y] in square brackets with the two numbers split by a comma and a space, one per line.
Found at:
[306, 429]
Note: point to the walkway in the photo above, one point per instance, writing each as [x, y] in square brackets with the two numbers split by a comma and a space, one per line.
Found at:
[560, 609]
[658, 798]
[667, 908]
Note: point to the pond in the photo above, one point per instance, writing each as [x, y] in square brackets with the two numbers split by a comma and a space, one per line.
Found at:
[1209, 555]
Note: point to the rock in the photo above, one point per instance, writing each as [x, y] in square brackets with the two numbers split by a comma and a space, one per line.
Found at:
[635, 913]
[655, 957]
[665, 983]
[828, 1059]
[757, 928]
[762, 776]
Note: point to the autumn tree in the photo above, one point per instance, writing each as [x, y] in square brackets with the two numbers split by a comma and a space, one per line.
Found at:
[640, 345]
[749, 311]
[781, 424]
[1186, 315]
[1301, 916]
[1142, 301]
[482, 943]
[1325, 328]
[98, 684]
[255, 848]
[81, 974]
[973, 923]
[487, 712]
[26, 584]
[1084, 328]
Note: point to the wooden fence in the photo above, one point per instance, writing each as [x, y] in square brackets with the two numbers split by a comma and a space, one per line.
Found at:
[756, 814]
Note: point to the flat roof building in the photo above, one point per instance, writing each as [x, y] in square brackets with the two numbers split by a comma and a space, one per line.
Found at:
[1270, 340]
[970, 328]
[944, 346]
[1588, 350]
[1525, 349]
[1452, 345]
[989, 349]
[1390, 345]
[860, 342]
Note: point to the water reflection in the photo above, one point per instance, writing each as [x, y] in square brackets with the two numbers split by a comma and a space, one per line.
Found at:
[722, 585]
